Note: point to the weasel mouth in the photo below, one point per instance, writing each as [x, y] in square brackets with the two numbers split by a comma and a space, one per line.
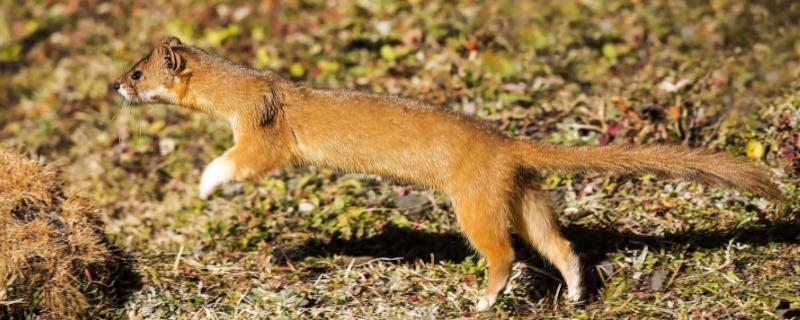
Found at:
[131, 99]
[124, 93]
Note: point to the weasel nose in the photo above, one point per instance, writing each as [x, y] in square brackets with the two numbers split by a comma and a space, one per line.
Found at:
[115, 85]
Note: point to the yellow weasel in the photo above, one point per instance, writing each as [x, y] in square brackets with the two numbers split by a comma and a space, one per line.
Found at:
[490, 177]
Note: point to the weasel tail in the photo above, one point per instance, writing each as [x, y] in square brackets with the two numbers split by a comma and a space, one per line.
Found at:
[668, 161]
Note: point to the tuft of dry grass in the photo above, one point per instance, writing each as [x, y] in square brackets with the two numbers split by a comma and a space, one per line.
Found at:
[55, 260]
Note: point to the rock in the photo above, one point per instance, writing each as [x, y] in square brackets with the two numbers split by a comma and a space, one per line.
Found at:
[305, 207]
[231, 189]
[412, 200]
[166, 146]
[607, 267]
[657, 280]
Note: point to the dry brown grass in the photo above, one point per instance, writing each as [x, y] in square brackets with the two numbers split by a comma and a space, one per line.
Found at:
[55, 261]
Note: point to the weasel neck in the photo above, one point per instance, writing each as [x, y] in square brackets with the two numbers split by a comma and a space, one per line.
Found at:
[198, 101]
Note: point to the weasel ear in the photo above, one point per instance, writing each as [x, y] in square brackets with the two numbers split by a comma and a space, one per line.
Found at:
[172, 59]
[171, 41]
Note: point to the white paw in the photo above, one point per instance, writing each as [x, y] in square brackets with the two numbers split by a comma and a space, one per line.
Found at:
[217, 173]
[484, 304]
[574, 294]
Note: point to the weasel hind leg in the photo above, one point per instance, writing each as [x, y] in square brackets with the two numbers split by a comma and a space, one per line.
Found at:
[534, 220]
[485, 226]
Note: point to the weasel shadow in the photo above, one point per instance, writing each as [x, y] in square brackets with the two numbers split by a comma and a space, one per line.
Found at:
[593, 244]
[596, 243]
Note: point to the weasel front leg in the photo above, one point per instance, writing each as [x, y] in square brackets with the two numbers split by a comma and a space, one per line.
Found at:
[241, 162]
[220, 171]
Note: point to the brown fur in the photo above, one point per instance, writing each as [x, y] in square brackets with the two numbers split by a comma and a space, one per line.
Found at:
[486, 173]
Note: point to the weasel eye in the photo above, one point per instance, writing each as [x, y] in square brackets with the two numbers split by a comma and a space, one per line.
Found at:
[136, 75]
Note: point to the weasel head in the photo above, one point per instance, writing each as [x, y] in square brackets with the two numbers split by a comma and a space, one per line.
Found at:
[157, 77]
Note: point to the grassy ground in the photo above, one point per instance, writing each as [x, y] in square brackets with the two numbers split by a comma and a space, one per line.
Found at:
[309, 242]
